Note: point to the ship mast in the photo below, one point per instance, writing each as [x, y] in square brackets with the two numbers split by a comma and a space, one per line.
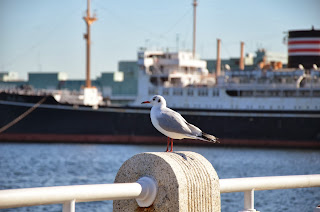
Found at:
[89, 20]
[194, 28]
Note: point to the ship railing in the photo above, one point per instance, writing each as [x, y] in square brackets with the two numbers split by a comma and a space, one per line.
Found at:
[144, 191]
[243, 90]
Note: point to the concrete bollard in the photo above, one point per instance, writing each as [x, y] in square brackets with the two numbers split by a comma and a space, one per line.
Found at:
[186, 182]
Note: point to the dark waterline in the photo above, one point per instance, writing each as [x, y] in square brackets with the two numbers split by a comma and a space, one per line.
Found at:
[37, 165]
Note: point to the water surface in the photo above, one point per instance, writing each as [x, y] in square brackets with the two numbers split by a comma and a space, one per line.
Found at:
[37, 165]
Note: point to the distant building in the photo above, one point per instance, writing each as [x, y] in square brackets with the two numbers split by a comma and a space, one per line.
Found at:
[48, 81]
[76, 85]
[10, 80]
[121, 85]
[270, 57]
[9, 76]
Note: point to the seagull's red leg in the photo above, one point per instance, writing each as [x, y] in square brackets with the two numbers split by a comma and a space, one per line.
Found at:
[168, 140]
[171, 144]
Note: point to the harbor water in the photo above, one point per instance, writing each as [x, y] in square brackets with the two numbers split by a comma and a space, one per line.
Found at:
[38, 165]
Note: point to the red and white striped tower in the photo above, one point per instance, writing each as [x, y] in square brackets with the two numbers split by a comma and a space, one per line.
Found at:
[304, 48]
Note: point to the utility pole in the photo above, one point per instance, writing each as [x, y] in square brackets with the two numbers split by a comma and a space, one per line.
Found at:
[89, 20]
[194, 28]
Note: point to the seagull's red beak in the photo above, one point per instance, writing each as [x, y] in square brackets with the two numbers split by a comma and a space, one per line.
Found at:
[145, 102]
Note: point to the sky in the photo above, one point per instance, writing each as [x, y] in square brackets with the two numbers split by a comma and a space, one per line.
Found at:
[47, 36]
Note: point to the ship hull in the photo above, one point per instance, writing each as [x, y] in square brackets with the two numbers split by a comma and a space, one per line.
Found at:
[65, 123]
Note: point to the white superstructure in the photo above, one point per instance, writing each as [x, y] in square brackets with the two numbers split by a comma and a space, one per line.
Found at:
[186, 83]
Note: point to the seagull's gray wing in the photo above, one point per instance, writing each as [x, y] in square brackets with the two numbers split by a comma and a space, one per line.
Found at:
[172, 121]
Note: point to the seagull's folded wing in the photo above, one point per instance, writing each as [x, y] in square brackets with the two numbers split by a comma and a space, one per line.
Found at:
[172, 121]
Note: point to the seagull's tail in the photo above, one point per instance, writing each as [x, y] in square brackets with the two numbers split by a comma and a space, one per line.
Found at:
[210, 138]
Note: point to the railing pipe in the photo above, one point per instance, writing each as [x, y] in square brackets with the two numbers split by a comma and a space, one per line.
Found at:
[144, 190]
[269, 183]
[248, 185]
[62, 194]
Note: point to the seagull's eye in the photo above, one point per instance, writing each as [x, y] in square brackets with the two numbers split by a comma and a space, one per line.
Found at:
[159, 100]
[154, 99]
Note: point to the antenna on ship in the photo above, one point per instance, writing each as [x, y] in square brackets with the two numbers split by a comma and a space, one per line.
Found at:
[89, 20]
[194, 28]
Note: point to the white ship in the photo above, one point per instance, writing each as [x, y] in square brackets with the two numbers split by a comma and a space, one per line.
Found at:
[186, 83]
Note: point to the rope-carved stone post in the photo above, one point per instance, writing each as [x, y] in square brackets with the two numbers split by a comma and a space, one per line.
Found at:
[186, 181]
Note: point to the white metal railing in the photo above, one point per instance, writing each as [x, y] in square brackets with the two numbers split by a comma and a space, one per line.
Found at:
[250, 184]
[144, 191]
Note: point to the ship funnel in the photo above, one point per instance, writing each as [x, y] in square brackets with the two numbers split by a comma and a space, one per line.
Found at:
[304, 48]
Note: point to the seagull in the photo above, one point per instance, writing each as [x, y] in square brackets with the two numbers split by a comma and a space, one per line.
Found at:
[172, 124]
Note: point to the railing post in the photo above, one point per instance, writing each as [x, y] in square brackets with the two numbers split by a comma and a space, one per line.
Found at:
[69, 206]
[186, 182]
[249, 201]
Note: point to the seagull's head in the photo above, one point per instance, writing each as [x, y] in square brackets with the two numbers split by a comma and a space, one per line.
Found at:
[156, 100]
